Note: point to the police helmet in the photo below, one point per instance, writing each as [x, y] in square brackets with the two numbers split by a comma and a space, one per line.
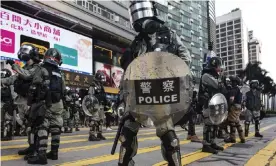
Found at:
[5, 73]
[53, 56]
[254, 84]
[235, 80]
[216, 63]
[141, 12]
[27, 52]
[99, 76]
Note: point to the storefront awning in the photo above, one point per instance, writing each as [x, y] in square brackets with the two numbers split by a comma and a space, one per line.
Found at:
[111, 90]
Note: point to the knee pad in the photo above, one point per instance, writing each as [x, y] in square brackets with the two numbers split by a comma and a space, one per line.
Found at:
[170, 141]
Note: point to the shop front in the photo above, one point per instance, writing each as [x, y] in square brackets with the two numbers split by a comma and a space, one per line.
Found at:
[107, 60]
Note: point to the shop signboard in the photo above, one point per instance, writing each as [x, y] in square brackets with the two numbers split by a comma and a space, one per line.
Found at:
[77, 80]
[18, 29]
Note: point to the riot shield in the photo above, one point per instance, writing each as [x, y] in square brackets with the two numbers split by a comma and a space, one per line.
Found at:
[90, 105]
[159, 86]
[218, 109]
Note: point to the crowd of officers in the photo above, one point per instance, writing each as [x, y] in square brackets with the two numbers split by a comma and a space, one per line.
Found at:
[42, 98]
[36, 103]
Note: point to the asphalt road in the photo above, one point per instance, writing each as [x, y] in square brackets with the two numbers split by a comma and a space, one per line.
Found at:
[76, 150]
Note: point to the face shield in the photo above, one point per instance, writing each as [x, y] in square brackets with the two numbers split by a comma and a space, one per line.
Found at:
[24, 53]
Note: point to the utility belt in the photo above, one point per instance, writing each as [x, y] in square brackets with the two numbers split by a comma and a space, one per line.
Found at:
[36, 93]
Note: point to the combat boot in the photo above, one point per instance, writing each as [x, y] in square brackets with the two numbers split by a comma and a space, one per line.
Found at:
[209, 149]
[53, 155]
[40, 158]
[100, 136]
[26, 151]
[215, 146]
[194, 138]
[242, 140]
[257, 134]
[230, 140]
[93, 138]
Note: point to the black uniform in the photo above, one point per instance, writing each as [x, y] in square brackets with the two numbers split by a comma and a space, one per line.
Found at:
[208, 87]
[96, 121]
[253, 105]
[7, 109]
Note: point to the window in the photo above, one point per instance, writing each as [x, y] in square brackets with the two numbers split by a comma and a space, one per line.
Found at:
[230, 33]
[230, 52]
[230, 23]
[230, 37]
[230, 28]
[217, 40]
[237, 26]
[230, 48]
[223, 25]
[237, 21]
[238, 36]
[238, 31]
[238, 51]
[238, 61]
[238, 41]
[223, 44]
[238, 56]
[223, 54]
[223, 49]
[230, 58]
[230, 63]
[239, 66]
[237, 46]
[217, 26]
[231, 73]
[223, 29]
[231, 68]
[223, 39]
[224, 59]
[222, 34]
[217, 35]
[231, 42]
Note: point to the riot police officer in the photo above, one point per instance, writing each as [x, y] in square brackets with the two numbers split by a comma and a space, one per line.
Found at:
[7, 108]
[233, 119]
[67, 113]
[153, 36]
[34, 82]
[253, 105]
[223, 127]
[96, 121]
[209, 85]
[52, 61]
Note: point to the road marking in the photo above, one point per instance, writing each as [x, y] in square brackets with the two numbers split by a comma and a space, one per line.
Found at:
[197, 155]
[265, 156]
[66, 142]
[106, 158]
[80, 148]
[70, 136]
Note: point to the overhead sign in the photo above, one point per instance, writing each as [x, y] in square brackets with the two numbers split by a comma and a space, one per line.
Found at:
[76, 49]
[157, 91]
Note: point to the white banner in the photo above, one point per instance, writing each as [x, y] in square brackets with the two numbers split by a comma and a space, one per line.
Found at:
[17, 29]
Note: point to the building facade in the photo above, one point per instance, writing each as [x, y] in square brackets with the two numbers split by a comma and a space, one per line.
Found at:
[189, 20]
[232, 41]
[254, 50]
